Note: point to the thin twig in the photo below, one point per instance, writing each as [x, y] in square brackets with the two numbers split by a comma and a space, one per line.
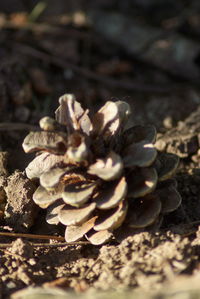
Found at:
[194, 222]
[188, 234]
[90, 268]
[61, 244]
[31, 236]
[27, 50]
[7, 245]
[40, 237]
[17, 127]
[13, 254]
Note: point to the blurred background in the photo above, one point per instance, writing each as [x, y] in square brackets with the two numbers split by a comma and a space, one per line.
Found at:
[144, 51]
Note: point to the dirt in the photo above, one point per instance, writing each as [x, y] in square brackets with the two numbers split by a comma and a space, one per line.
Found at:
[141, 262]
[155, 264]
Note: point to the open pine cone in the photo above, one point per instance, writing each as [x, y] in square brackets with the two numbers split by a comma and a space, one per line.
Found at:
[95, 175]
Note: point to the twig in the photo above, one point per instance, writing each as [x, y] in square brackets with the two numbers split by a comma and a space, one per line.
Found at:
[188, 234]
[40, 237]
[194, 222]
[17, 127]
[90, 268]
[90, 74]
[7, 245]
[13, 254]
[31, 236]
[61, 244]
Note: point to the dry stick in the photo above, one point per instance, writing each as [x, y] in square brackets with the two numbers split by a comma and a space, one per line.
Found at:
[40, 237]
[192, 232]
[90, 268]
[6, 245]
[61, 244]
[187, 225]
[194, 222]
[90, 74]
[188, 234]
[31, 236]
[13, 254]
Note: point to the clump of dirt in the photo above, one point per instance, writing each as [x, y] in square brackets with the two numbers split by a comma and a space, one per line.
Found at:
[20, 209]
[17, 262]
[144, 260]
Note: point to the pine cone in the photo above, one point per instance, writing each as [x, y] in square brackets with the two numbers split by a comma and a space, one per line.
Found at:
[95, 175]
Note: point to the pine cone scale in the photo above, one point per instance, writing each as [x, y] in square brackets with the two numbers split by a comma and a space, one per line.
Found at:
[140, 133]
[53, 212]
[98, 238]
[166, 166]
[140, 154]
[72, 216]
[76, 232]
[45, 141]
[51, 178]
[109, 168]
[43, 163]
[76, 194]
[112, 194]
[44, 198]
[113, 218]
[144, 211]
[142, 181]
